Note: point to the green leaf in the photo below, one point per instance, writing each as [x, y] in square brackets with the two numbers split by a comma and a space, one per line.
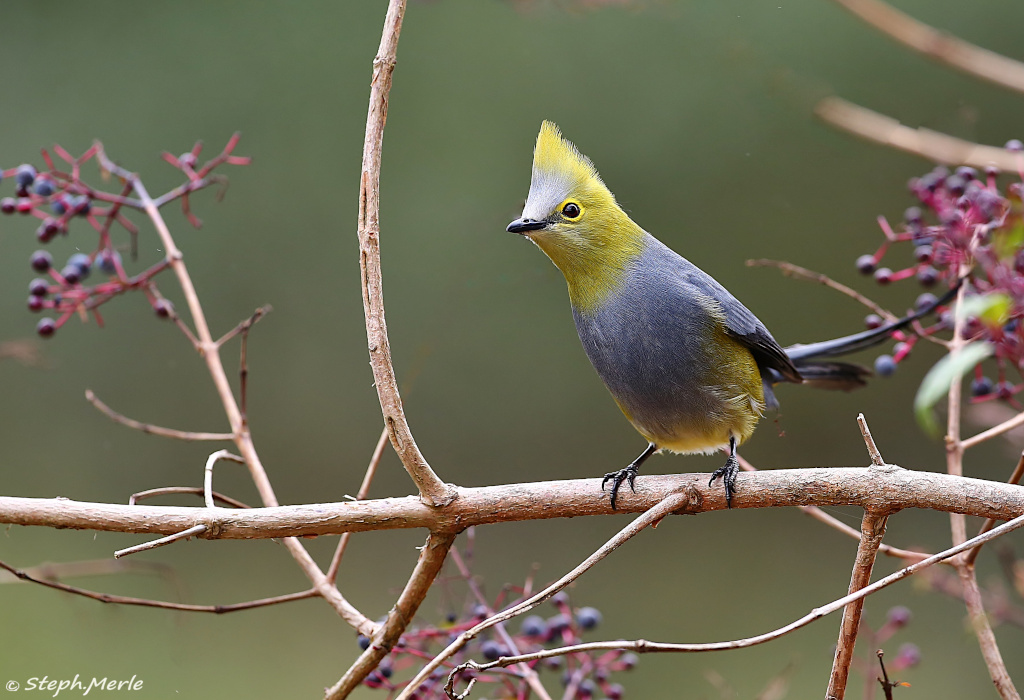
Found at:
[992, 309]
[940, 378]
[1008, 241]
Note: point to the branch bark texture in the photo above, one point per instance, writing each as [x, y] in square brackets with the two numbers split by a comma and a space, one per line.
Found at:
[883, 489]
[431, 488]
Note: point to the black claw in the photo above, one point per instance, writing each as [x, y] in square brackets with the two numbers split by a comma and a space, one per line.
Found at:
[627, 474]
[728, 473]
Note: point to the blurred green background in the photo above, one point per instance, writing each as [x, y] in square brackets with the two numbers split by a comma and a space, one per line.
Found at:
[699, 116]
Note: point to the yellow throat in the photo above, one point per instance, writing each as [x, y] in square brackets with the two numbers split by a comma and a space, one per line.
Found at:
[573, 217]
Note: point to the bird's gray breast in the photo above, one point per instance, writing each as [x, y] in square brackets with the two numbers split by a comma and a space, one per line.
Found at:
[650, 343]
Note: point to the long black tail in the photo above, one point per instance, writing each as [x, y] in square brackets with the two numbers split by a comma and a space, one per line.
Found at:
[845, 375]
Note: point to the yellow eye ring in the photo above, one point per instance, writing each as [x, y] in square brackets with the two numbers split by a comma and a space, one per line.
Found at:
[571, 210]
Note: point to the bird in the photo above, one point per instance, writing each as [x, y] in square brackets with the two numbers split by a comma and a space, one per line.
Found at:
[687, 363]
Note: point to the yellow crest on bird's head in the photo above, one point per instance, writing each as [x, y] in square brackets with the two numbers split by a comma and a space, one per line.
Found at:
[555, 156]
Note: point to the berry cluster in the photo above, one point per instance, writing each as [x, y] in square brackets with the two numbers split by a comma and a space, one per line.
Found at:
[965, 226]
[59, 198]
[583, 675]
[907, 655]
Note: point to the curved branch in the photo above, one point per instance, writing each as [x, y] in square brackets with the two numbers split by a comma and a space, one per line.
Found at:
[944, 48]
[431, 488]
[926, 143]
[884, 489]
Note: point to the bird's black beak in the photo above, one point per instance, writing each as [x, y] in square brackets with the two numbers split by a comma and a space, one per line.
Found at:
[526, 225]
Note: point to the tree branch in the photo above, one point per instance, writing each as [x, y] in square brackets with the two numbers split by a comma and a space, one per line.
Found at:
[926, 143]
[944, 48]
[882, 489]
[432, 557]
[431, 488]
[872, 529]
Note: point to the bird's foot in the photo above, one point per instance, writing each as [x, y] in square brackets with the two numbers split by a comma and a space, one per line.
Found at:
[727, 472]
[627, 474]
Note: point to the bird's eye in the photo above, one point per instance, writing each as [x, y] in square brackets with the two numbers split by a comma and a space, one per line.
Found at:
[571, 210]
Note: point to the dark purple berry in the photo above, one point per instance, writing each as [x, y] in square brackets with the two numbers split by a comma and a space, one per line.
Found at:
[923, 253]
[992, 171]
[492, 650]
[614, 691]
[908, 655]
[41, 261]
[899, 616]
[364, 642]
[59, 206]
[883, 275]
[8, 205]
[981, 386]
[38, 287]
[927, 276]
[46, 327]
[81, 205]
[164, 309]
[553, 663]
[872, 321]
[71, 274]
[630, 660]
[385, 669]
[450, 618]
[82, 262]
[1004, 389]
[1014, 146]
[108, 261]
[967, 173]
[24, 176]
[560, 598]
[955, 185]
[558, 623]
[44, 187]
[534, 626]
[479, 611]
[931, 181]
[925, 301]
[586, 689]
[35, 303]
[588, 618]
[885, 366]
[912, 215]
[866, 264]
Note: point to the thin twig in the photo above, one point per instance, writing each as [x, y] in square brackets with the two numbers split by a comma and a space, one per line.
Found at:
[194, 490]
[145, 602]
[208, 473]
[669, 504]
[943, 47]
[431, 488]
[994, 431]
[149, 427]
[431, 558]
[641, 645]
[364, 490]
[163, 541]
[210, 353]
[872, 529]
[791, 270]
[958, 523]
[245, 325]
[922, 142]
[989, 523]
[869, 442]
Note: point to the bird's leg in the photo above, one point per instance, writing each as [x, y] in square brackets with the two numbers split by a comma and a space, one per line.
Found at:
[728, 472]
[628, 474]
